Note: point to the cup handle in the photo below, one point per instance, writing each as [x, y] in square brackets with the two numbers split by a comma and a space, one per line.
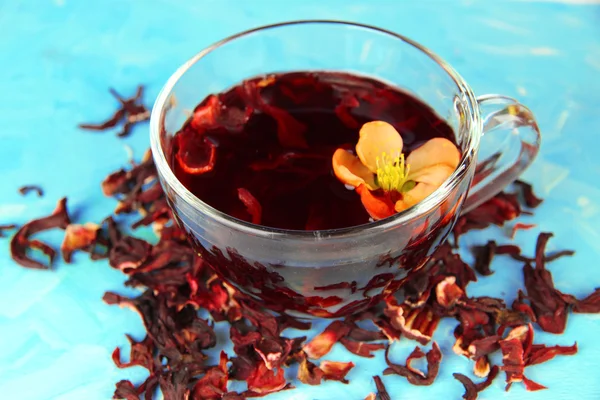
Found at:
[512, 134]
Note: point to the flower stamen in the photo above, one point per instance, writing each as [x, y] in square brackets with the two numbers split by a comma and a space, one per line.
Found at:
[392, 172]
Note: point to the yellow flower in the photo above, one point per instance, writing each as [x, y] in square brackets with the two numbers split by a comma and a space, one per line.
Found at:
[385, 180]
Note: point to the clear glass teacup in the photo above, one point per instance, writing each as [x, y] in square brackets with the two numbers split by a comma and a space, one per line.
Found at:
[333, 273]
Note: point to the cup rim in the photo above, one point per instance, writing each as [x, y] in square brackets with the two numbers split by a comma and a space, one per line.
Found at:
[473, 119]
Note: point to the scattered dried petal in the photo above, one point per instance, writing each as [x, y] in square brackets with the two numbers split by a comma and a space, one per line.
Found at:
[519, 226]
[20, 243]
[337, 371]
[541, 353]
[483, 257]
[414, 376]
[531, 200]
[24, 190]
[362, 349]
[131, 112]
[8, 227]
[323, 342]
[264, 381]
[79, 237]
[590, 304]
[125, 390]
[381, 390]
[472, 389]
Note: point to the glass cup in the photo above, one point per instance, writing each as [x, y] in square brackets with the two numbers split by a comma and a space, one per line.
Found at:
[333, 273]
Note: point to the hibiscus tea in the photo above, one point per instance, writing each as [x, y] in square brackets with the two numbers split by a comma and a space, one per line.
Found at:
[261, 151]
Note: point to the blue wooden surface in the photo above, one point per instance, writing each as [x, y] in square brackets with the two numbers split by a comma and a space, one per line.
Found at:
[57, 58]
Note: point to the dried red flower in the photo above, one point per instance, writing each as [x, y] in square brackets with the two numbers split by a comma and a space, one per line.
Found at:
[531, 200]
[381, 390]
[130, 111]
[549, 304]
[360, 348]
[322, 343]
[21, 242]
[590, 304]
[519, 226]
[473, 389]
[413, 375]
[263, 381]
[7, 227]
[79, 237]
[416, 324]
[24, 190]
[499, 209]
[141, 353]
[519, 352]
[483, 257]
[310, 374]
[213, 385]
[126, 390]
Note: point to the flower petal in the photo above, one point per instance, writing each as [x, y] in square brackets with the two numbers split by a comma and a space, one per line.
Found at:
[434, 151]
[428, 180]
[378, 207]
[348, 169]
[376, 138]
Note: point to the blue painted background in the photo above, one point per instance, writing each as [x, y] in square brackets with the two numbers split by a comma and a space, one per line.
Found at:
[57, 58]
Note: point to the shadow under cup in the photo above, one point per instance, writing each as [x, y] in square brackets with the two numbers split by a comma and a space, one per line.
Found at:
[318, 273]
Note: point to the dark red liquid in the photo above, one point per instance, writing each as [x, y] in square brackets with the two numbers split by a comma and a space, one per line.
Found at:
[274, 137]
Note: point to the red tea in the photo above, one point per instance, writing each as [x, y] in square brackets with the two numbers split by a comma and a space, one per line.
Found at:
[262, 151]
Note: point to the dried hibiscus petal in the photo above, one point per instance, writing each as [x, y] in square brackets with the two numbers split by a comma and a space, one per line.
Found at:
[499, 209]
[323, 342]
[482, 347]
[549, 305]
[126, 390]
[141, 354]
[483, 257]
[590, 304]
[174, 385]
[213, 385]
[413, 375]
[519, 226]
[541, 353]
[309, 373]
[381, 390]
[8, 227]
[24, 190]
[335, 370]
[362, 349]
[79, 237]
[364, 335]
[273, 351]
[130, 111]
[472, 389]
[518, 352]
[531, 200]
[416, 324]
[263, 381]
[448, 293]
[20, 243]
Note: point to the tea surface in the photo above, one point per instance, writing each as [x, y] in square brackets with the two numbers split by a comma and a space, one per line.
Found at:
[265, 146]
